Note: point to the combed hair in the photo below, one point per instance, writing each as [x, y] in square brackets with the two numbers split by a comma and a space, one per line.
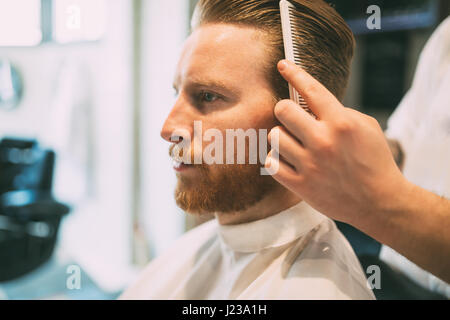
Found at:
[326, 40]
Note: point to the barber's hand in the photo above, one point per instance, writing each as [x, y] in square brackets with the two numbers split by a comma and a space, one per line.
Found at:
[339, 163]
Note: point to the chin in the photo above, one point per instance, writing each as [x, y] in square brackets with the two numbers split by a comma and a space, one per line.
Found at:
[226, 189]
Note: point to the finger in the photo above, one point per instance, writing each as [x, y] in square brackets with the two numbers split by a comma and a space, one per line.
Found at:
[285, 175]
[289, 148]
[296, 120]
[321, 101]
[279, 169]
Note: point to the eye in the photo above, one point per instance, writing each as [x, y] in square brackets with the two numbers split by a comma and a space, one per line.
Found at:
[208, 96]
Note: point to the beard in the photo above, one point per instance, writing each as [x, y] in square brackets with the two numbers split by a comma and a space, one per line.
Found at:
[222, 188]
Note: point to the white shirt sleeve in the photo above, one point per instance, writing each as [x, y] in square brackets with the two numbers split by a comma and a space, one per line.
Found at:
[419, 124]
[403, 123]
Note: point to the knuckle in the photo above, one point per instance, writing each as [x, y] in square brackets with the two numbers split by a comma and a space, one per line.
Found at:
[315, 140]
[317, 136]
[374, 122]
[282, 108]
[309, 169]
[344, 126]
[300, 181]
[309, 90]
[357, 118]
[325, 146]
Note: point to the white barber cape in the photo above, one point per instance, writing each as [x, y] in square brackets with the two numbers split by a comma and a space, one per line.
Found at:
[421, 124]
[296, 254]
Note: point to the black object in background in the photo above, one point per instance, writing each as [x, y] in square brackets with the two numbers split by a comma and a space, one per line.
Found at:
[384, 68]
[394, 284]
[23, 165]
[395, 15]
[29, 215]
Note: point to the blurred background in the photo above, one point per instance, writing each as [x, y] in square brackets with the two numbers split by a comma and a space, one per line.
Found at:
[85, 181]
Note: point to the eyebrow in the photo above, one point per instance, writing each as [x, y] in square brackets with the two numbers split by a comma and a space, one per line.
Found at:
[214, 84]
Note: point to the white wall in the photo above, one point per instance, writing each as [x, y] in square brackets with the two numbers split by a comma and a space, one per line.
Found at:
[97, 232]
[165, 25]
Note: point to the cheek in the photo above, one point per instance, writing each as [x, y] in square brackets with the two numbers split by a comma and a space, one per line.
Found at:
[261, 117]
[256, 115]
[252, 126]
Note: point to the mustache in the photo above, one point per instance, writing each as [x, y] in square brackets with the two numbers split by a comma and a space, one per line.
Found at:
[177, 154]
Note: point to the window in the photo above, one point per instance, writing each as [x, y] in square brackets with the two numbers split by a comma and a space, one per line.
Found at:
[19, 27]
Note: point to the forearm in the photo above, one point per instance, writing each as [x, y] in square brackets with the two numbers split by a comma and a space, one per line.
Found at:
[416, 223]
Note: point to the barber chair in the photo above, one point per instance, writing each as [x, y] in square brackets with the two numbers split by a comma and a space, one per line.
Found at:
[29, 215]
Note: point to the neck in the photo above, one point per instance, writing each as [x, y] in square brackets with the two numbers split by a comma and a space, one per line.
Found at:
[275, 202]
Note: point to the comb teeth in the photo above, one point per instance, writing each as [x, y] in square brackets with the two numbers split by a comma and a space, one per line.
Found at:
[294, 26]
[291, 48]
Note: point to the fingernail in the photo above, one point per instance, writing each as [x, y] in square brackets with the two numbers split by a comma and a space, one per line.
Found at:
[282, 65]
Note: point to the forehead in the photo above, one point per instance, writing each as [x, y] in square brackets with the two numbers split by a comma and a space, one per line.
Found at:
[226, 52]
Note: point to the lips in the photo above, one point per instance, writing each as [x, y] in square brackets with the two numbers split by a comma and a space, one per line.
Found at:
[180, 166]
[176, 153]
[176, 164]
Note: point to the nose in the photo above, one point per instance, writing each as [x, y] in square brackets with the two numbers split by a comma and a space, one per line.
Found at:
[179, 123]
